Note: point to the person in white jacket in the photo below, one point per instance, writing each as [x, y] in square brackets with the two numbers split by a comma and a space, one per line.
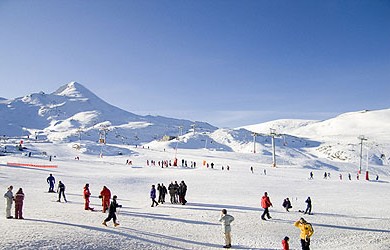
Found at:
[9, 197]
[226, 219]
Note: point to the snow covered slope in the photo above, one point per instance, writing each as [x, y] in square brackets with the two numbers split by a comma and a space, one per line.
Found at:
[338, 138]
[348, 214]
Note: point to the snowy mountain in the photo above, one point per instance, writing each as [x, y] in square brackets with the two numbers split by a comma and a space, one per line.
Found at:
[338, 138]
[73, 112]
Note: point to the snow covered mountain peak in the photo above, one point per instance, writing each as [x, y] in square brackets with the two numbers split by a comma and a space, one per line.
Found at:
[74, 90]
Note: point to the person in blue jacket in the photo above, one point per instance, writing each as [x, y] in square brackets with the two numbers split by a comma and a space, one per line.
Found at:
[51, 180]
[153, 196]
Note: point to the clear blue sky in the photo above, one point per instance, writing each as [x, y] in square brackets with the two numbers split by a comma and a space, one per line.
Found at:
[230, 63]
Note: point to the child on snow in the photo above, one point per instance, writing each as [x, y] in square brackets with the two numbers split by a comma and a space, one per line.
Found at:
[112, 211]
[285, 244]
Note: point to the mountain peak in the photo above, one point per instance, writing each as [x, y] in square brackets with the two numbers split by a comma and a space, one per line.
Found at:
[74, 89]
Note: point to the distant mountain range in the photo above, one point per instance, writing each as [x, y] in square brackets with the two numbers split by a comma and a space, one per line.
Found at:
[75, 114]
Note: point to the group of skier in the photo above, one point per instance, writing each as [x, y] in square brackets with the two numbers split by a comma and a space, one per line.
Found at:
[60, 190]
[105, 195]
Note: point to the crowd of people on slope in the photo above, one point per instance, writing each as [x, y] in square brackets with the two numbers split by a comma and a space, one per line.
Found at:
[170, 163]
[177, 193]
[326, 176]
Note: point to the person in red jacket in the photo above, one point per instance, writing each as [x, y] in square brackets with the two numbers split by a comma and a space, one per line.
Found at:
[87, 194]
[265, 203]
[19, 197]
[105, 195]
[285, 244]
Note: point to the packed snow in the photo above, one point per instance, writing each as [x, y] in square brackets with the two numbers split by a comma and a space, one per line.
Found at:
[347, 214]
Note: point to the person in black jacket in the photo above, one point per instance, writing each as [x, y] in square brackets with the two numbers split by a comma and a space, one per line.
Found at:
[182, 191]
[61, 190]
[287, 204]
[112, 211]
[308, 208]
[163, 193]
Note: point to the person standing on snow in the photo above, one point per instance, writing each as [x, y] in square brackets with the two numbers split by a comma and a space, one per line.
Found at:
[51, 180]
[105, 195]
[182, 191]
[306, 232]
[9, 197]
[308, 208]
[153, 196]
[176, 188]
[19, 197]
[226, 219]
[87, 194]
[61, 190]
[160, 191]
[172, 191]
[164, 191]
[112, 211]
[265, 203]
[285, 243]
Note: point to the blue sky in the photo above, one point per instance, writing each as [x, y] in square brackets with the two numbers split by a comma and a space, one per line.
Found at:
[230, 63]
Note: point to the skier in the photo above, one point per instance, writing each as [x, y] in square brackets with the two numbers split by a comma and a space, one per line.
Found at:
[311, 176]
[285, 244]
[61, 190]
[105, 195]
[19, 197]
[226, 219]
[308, 208]
[252, 169]
[306, 232]
[9, 196]
[87, 194]
[153, 196]
[265, 203]
[287, 204]
[51, 180]
[112, 211]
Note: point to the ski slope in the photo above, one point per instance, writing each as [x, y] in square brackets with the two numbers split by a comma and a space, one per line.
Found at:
[347, 214]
